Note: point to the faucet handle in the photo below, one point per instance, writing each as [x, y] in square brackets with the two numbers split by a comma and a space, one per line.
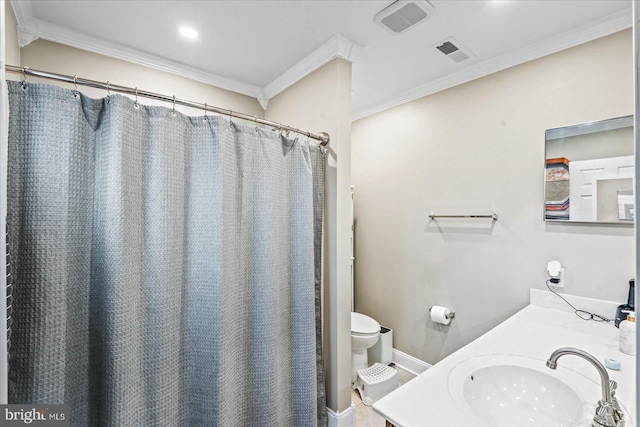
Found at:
[605, 415]
[618, 414]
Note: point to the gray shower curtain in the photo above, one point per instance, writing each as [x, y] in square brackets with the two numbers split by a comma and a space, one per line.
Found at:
[166, 268]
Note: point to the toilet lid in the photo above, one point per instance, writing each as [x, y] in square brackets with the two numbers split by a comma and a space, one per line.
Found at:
[362, 324]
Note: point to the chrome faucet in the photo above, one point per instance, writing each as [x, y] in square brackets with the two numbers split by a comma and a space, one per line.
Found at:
[606, 413]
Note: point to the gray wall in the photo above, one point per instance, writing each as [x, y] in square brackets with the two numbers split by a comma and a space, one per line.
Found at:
[472, 149]
[322, 102]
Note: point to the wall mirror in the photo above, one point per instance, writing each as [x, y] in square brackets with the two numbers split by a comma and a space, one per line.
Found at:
[589, 170]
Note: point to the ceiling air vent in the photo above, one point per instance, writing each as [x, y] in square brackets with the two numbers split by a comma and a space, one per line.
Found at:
[403, 14]
[453, 50]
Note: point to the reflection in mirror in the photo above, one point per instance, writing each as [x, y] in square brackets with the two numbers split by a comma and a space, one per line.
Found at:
[589, 171]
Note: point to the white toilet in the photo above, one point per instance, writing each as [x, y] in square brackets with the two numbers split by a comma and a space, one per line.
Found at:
[364, 334]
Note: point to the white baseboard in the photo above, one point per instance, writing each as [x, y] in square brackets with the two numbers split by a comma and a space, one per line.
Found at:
[345, 418]
[409, 363]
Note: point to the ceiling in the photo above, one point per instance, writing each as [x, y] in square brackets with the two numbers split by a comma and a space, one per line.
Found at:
[260, 47]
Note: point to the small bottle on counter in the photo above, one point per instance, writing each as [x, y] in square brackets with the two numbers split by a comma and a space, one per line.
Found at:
[624, 309]
[628, 335]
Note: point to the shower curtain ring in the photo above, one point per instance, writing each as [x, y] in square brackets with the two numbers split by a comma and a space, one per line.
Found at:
[255, 123]
[76, 95]
[24, 86]
[230, 118]
[205, 119]
[277, 127]
[135, 104]
[108, 92]
[173, 110]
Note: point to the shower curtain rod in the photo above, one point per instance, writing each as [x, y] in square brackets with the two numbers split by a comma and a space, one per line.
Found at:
[322, 137]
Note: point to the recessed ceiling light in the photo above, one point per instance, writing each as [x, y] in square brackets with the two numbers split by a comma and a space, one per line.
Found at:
[187, 32]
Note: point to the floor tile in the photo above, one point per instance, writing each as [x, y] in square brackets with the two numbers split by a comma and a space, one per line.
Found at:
[367, 417]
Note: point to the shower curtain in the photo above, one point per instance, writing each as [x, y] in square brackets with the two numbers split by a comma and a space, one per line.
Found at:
[166, 268]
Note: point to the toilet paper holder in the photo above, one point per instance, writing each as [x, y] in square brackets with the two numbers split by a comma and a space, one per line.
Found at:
[448, 316]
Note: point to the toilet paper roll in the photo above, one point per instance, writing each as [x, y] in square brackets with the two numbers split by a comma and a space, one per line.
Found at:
[440, 315]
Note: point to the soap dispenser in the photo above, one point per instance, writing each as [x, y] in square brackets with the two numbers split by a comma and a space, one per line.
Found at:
[624, 309]
[628, 335]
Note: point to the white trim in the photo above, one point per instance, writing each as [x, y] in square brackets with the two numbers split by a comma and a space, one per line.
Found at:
[26, 34]
[345, 418]
[409, 363]
[25, 22]
[263, 100]
[611, 24]
[58, 34]
[337, 46]
[22, 11]
[30, 29]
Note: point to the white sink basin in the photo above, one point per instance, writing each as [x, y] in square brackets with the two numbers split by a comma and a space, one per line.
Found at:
[510, 390]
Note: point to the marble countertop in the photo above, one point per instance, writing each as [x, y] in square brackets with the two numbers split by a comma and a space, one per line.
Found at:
[536, 331]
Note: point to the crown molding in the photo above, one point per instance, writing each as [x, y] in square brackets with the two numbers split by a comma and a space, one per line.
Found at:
[263, 100]
[27, 33]
[30, 29]
[606, 26]
[337, 46]
[45, 30]
[25, 21]
[22, 11]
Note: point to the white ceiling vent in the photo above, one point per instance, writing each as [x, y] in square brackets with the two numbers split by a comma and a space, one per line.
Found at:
[403, 14]
[454, 50]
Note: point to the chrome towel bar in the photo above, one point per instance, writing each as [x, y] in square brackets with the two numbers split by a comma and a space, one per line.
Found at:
[493, 216]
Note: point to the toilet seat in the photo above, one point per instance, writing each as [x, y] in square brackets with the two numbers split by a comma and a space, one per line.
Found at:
[362, 325]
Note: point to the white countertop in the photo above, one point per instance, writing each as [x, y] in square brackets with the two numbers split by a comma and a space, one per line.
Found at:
[536, 331]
